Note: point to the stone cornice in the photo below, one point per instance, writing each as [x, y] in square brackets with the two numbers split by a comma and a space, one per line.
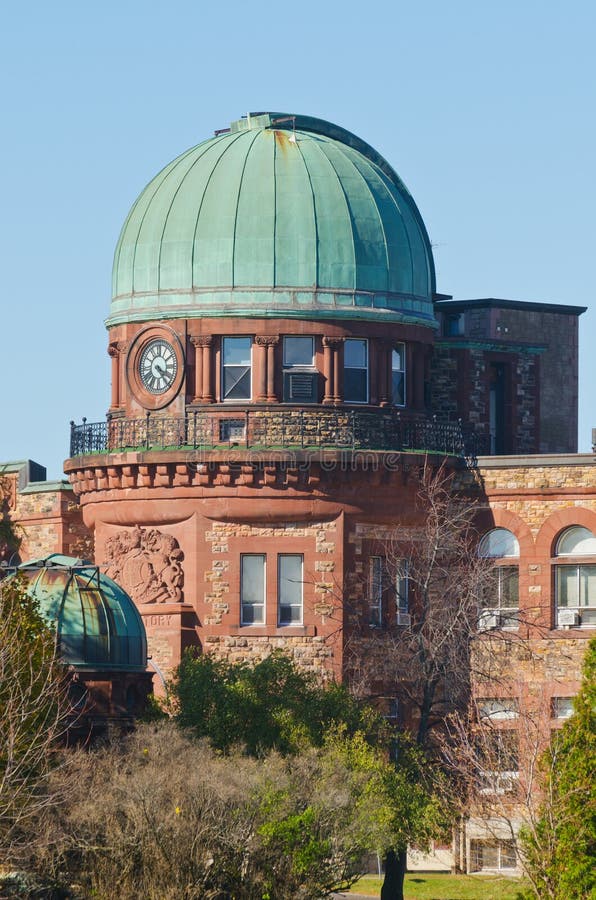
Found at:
[292, 473]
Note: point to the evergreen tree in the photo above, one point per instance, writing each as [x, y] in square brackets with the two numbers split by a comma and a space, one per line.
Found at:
[560, 849]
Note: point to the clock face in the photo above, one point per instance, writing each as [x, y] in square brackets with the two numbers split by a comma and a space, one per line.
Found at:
[158, 366]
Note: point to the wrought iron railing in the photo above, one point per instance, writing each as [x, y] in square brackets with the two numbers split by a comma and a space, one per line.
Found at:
[262, 428]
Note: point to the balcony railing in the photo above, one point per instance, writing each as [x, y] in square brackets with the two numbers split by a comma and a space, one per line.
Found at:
[260, 429]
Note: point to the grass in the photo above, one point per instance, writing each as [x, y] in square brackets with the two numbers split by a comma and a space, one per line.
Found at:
[437, 886]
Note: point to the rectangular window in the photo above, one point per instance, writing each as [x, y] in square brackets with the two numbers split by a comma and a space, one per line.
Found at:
[562, 707]
[402, 586]
[398, 375]
[453, 324]
[355, 371]
[298, 351]
[252, 588]
[236, 368]
[501, 599]
[492, 855]
[289, 588]
[375, 589]
[495, 708]
[576, 595]
[300, 377]
[392, 709]
[498, 759]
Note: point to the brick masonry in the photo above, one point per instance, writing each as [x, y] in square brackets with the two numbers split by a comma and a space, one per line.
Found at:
[47, 518]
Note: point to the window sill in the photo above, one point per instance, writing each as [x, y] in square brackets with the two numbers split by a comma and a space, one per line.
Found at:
[589, 627]
[274, 630]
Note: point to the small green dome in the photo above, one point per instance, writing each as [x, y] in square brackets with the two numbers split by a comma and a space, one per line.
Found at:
[277, 216]
[97, 624]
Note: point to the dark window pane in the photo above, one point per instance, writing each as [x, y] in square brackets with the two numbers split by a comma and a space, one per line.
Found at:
[298, 351]
[355, 385]
[355, 354]
[397, 389]
[290, 615]
[509, 585]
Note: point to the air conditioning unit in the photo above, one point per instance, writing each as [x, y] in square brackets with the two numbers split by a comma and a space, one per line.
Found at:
[567, 617]
[488, 620]
[300, 387]
[404, 619]
[498, 782]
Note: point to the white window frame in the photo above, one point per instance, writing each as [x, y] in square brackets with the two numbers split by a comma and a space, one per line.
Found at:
[561, 707]
[283, 623]
[476, 845]
[497, 708]
[500, 780]
[224, 366]
[579, 556]
[300, 380]
[364, 368]
[304, 366]
[252, 604]
[500, 545]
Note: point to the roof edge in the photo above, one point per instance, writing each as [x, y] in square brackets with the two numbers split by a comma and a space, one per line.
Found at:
[495, 303]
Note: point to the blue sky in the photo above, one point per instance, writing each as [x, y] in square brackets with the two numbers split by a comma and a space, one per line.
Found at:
[486, 110]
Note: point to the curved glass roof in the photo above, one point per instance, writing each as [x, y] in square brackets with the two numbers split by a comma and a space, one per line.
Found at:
[97, 624]
[278, 216]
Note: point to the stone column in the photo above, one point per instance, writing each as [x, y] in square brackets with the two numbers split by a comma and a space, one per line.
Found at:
[198, 389]
[122, 348]
[207, 345]
[271, 343]
[115, 356]
[328, 369]
[338, 381]
[261, 368]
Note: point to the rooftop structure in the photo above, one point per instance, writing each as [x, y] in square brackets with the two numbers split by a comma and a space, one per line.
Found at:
[97, 624]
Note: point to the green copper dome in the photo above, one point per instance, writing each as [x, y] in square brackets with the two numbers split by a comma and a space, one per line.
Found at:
[97, 624]
[277, 216]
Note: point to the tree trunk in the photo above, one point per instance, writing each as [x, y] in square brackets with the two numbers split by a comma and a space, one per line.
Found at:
[395, 871]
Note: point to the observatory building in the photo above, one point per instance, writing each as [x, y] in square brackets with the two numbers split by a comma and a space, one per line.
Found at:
[282, 372]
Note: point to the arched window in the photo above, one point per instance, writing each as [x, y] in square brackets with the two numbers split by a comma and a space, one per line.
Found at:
[500, 596]
[575, 579]
[498, 543]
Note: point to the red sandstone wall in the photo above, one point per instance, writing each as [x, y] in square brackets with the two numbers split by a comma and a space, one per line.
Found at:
[47, 519]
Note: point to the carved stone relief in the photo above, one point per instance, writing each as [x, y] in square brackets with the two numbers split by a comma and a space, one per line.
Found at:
[147, 563]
